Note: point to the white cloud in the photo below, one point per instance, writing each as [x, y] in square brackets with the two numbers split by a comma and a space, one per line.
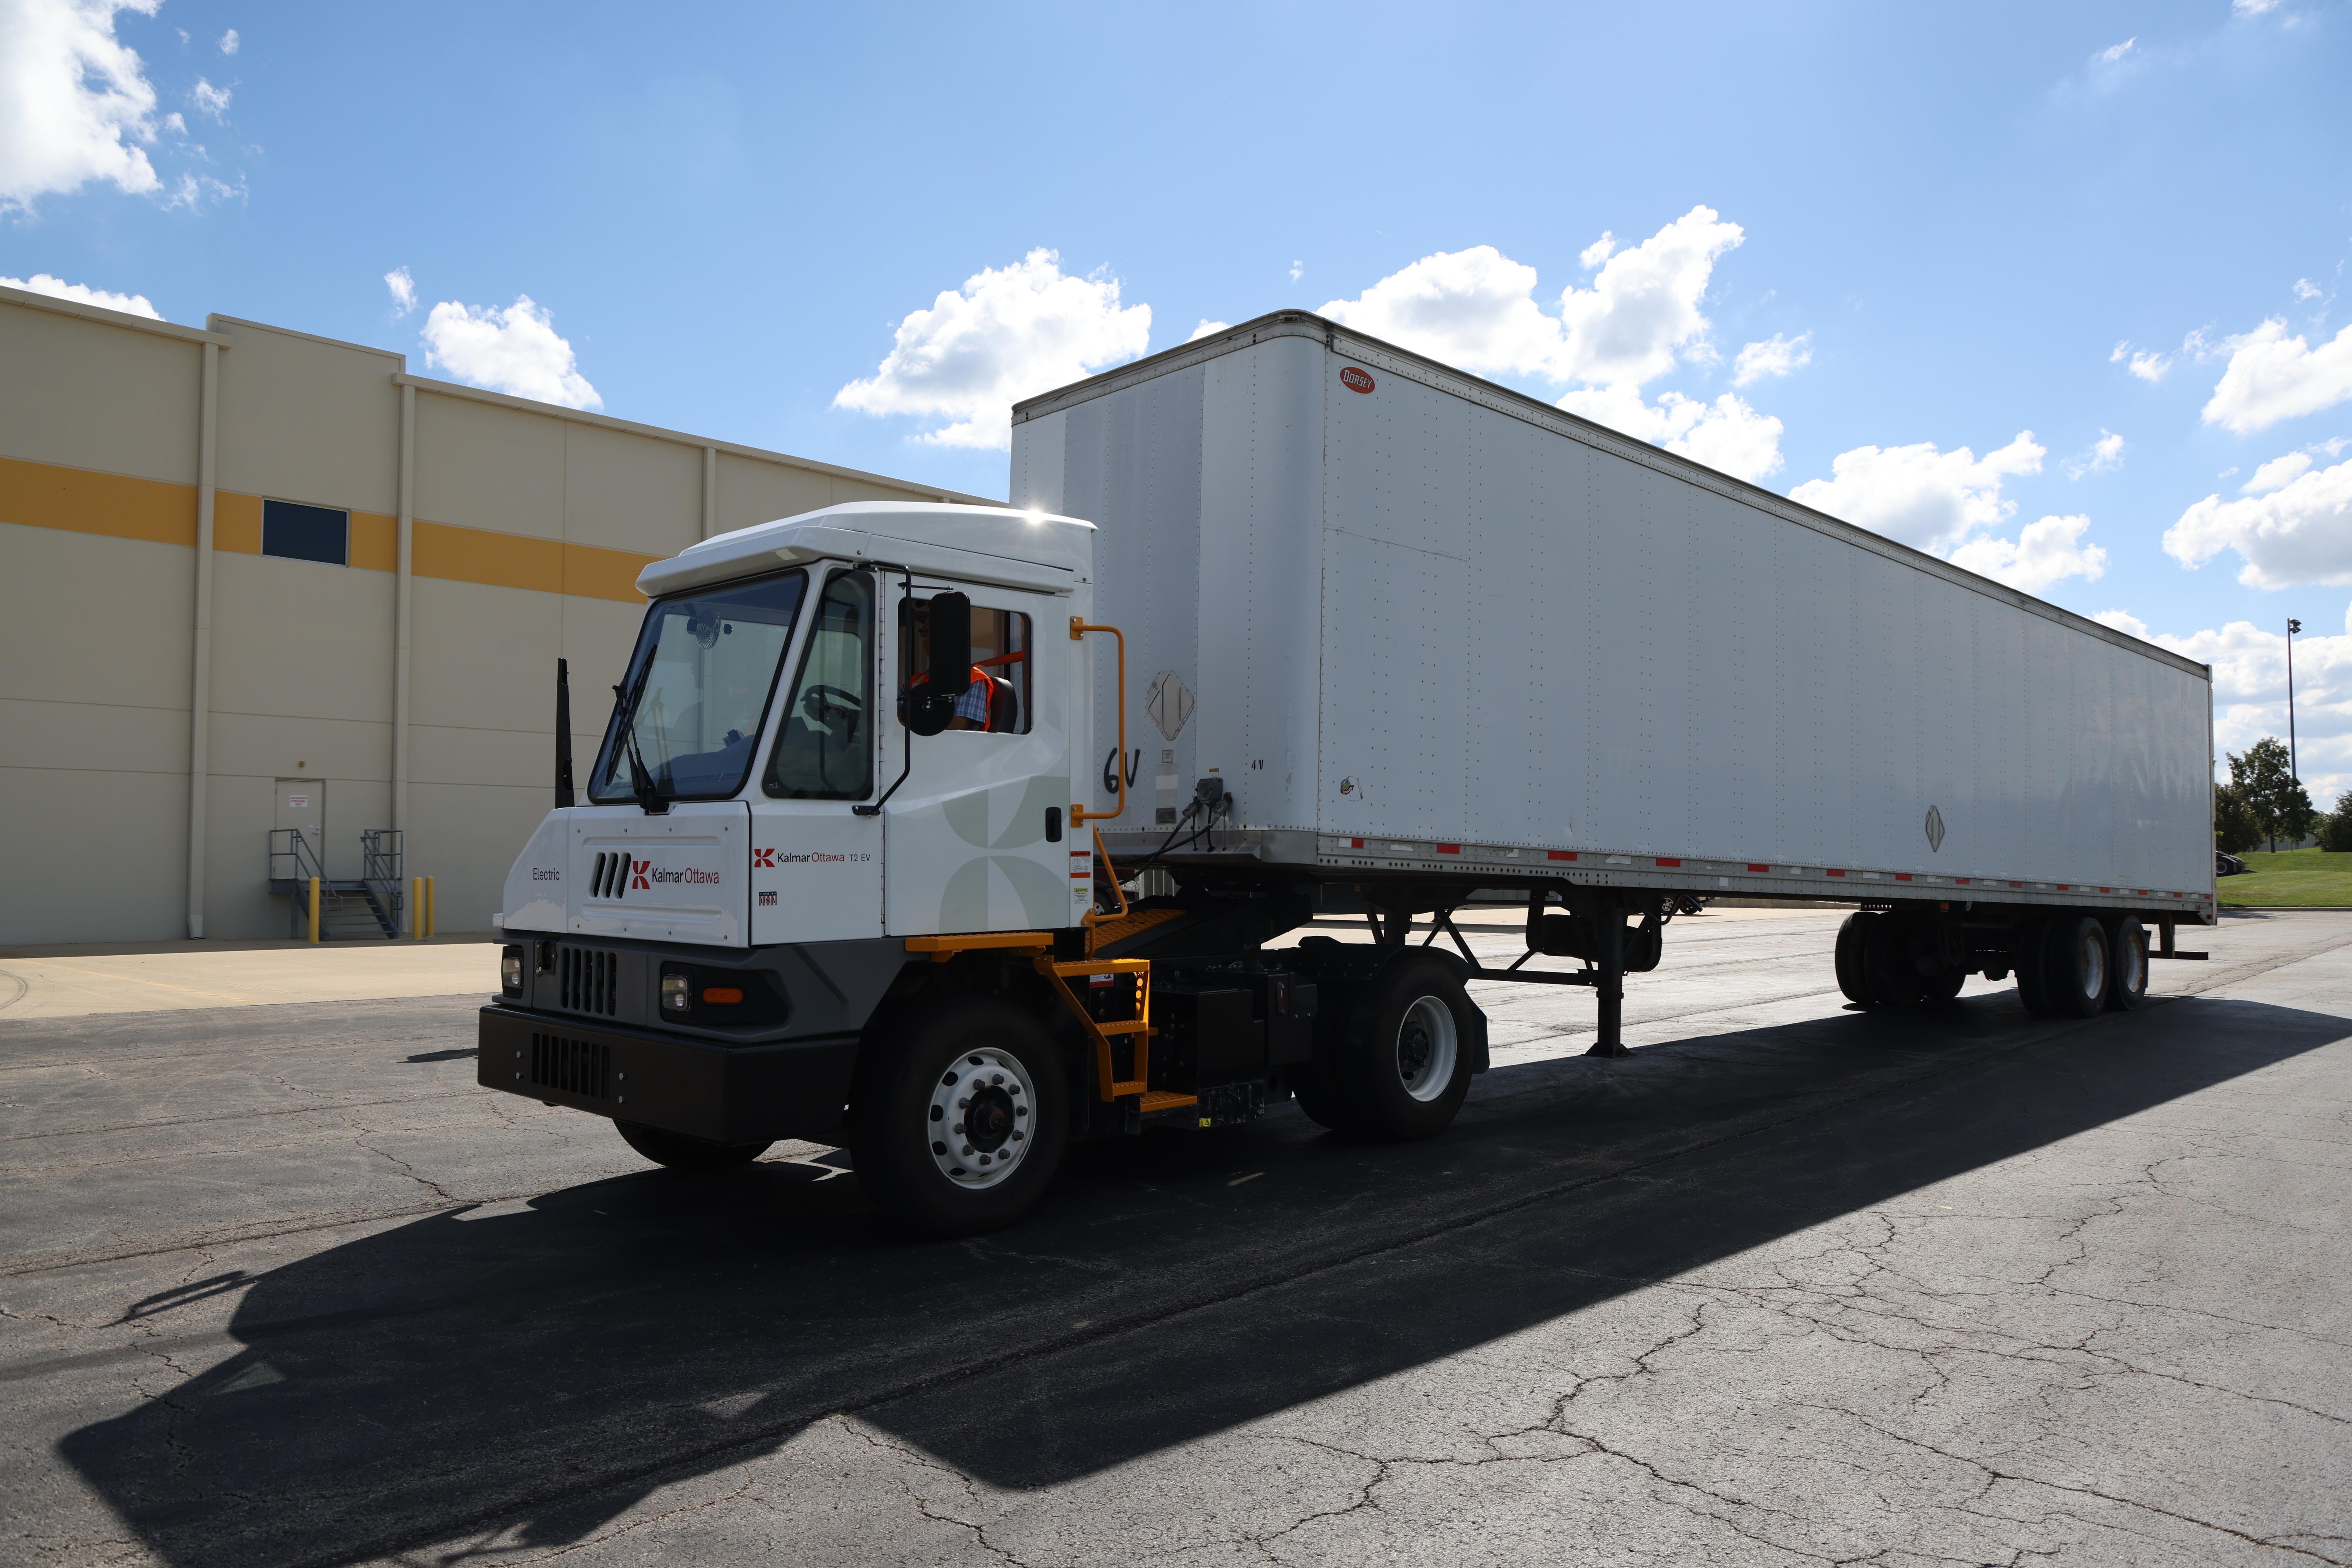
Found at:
[229, 42]
[404, 290]
[2124, 621]
[2272, 376]
[1920, 496]
[2300, 532]
[1593, 255]
[2330, 448]
[209, 100]
[2114, 52]
[2304, 289]
[1008, 334]
[1297, 267]
[1726, 434]
[2276, 474]
[1473, 308]
[514, 350]
[2253, 7]
[1776, 355]
[2101, 456]
[1477, 308]
[2145, 363]
[74, 101]
[1207, 328]
[1643, 307]
[58, 288]
[2044, 552]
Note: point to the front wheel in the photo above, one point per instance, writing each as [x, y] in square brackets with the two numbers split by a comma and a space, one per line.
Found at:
[958, 1117]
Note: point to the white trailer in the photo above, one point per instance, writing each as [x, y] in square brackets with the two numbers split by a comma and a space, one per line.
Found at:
[1384, 635]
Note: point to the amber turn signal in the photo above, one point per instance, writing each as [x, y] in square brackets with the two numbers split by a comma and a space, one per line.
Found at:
[724, 994]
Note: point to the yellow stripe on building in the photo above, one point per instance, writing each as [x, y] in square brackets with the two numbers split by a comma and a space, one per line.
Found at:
[42, 495]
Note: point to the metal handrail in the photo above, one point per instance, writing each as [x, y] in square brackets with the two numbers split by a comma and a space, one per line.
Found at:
[381, 854]
[292, 844]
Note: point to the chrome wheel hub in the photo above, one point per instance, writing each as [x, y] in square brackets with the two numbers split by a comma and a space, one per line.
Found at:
[1427, 1045]
[982, 1118]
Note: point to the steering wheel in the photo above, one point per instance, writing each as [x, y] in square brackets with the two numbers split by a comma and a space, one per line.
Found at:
[823, 704]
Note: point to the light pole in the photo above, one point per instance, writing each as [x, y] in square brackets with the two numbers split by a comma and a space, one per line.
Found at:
[2294, 772]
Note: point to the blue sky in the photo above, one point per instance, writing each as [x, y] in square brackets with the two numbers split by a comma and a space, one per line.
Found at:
[1904, 238]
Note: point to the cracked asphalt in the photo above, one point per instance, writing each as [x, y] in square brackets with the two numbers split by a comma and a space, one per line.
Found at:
[1792, 1284]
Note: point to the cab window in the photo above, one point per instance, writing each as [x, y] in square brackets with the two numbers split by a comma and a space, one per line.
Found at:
[1000, 658]
[825, 748]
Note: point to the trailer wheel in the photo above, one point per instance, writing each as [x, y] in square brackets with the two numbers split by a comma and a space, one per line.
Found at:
[2128, 964]
[681, 1153]
[2075, 967]
[1853, 937]
[958, 1119]
[1888, 965]
[2026, 940]
[1402, 1064]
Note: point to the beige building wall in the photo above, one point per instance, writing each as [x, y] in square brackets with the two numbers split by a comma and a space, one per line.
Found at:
[526, 527]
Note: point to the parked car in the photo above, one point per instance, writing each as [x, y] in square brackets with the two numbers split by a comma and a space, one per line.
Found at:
[2227, 865]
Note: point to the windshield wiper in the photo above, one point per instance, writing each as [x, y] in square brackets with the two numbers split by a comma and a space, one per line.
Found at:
[642, 785]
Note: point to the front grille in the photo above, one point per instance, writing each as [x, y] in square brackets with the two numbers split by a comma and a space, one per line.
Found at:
[588, 980]
[574, 1067]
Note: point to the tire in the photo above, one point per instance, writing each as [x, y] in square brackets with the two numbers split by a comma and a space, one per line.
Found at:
[2025, 942]
[1944, 986]
[2075, 967]
[1320, 1102]
[2127, 962]
[1888, 966]
[932, 1171]
[1401, 1066]
[681, 1153]
[1852, 938]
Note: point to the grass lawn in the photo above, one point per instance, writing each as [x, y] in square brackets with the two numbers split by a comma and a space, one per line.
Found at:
[2289, 876]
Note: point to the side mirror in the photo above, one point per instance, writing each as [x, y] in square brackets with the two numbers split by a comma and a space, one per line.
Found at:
[931, 705]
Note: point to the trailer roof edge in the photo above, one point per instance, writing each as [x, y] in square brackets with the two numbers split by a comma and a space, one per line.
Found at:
[1443, 377]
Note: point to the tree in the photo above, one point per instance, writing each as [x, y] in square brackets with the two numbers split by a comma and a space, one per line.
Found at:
[2335, 829]
[2271, 794]
[2235, 831]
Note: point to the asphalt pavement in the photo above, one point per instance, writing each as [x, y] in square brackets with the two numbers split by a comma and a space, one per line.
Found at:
[1791, 1284]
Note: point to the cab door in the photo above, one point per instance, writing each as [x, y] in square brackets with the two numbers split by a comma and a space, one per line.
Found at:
[816, 864]
[977, 839]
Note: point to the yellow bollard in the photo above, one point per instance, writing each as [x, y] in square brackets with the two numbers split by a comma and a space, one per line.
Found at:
[314, 908]
[432, 913]
[416, 908]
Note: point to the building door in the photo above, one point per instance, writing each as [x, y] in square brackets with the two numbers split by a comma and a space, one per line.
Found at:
[302, 806]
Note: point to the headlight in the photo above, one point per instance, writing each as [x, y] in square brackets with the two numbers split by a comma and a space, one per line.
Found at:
[677, 991]
[511, 971]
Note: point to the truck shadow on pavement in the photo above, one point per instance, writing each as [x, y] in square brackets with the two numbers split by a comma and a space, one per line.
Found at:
[519, 1376]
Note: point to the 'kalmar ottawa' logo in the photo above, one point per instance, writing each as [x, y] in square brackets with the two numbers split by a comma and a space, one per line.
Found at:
[771, 859]
[638, 870]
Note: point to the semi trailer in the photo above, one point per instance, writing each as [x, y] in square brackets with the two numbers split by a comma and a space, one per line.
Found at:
[956, 834]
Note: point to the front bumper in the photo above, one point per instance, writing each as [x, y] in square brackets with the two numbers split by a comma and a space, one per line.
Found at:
[728, 1094]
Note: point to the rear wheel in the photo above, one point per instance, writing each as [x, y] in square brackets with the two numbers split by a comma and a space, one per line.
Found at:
[1888, 965]
[2074, 966]
[2128, 964]
[681, 1153]
[2025, 940]
[1853, 937]
[1401, 1066]
[959, 1116]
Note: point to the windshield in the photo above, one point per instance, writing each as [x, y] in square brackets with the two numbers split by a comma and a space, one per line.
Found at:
[704, 666]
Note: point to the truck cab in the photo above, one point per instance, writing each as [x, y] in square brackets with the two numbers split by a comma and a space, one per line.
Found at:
[829, 877]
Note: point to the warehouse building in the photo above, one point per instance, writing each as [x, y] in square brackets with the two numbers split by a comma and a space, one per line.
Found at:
[258, 586]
